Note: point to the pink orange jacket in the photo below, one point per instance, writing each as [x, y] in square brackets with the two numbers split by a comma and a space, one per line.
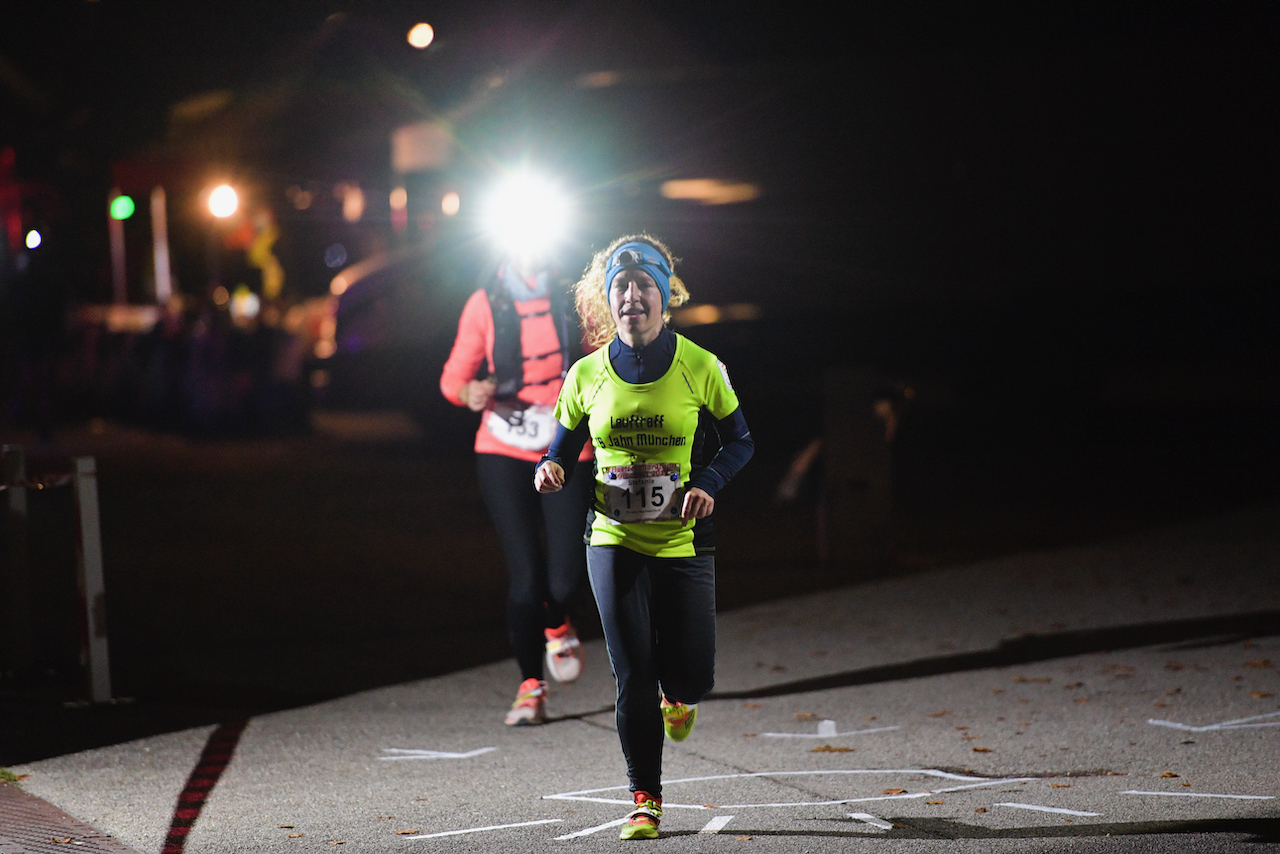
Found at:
[473, 347]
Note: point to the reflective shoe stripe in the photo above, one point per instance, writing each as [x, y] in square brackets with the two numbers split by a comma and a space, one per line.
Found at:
[642, 822]
[652, 812]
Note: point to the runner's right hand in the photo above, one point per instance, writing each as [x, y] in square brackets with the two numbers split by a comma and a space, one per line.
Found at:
[549, 477]
[476, 393]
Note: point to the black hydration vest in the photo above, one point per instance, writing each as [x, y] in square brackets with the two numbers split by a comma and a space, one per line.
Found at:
[508, 354]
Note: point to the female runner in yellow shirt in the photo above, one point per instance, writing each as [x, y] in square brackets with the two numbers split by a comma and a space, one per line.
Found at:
[650, 559]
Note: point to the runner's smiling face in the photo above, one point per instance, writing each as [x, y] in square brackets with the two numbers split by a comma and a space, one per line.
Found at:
[636, 304]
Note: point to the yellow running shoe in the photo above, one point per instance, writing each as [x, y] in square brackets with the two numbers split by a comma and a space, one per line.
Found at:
[643, 821]
[678, 719]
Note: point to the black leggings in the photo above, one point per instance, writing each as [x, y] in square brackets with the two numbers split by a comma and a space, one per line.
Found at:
[659, 618]
[544, 585]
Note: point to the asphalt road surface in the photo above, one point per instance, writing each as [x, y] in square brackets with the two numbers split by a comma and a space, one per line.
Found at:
[1118, 696]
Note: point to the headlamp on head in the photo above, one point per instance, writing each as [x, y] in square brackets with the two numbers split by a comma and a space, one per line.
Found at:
[641, 256]
[527, 216]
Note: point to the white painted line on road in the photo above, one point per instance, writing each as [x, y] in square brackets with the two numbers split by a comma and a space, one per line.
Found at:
[1239, 723]
[1211, 728]
[716, 824]
[903, 797]
[1200, 795]
[826, 727]
[872, 820]
[403, 753]
[1039, 808]
[968, 783]
[824, 734]
[1176, 725]
[626, 803]
[487, 828]
[981, 785]
[927, 772]
[591, 830]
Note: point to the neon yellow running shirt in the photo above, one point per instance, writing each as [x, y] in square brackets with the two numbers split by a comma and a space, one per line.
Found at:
[643, 436]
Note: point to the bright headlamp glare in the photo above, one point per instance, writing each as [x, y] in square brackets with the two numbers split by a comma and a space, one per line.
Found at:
[526, 216]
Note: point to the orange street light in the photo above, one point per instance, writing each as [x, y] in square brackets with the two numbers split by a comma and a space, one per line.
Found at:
[223, 201]
[421, 36]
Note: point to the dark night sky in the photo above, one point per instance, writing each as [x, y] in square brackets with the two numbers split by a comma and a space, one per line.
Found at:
[1057, 222]
[921, 153]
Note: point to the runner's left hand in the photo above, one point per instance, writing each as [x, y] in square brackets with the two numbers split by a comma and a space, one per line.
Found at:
[697, 505]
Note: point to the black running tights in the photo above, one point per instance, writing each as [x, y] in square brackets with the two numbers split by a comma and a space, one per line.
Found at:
[544, 583]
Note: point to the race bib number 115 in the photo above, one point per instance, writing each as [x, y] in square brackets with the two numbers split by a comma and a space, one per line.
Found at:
[642, 493]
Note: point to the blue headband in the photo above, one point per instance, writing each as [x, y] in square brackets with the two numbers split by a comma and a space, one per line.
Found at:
[641, 256]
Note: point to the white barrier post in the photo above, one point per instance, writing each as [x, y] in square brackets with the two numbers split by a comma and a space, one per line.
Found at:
[89, 577]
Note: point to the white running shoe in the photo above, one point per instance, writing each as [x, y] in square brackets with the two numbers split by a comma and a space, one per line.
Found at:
[564, 653]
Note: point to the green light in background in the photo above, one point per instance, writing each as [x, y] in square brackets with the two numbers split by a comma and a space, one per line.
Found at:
[122, 207]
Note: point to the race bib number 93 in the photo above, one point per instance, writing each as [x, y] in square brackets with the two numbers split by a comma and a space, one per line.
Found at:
[529, 429]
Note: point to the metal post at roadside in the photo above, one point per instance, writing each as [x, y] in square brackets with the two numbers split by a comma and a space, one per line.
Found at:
[160, 246]
[115, 234]
[17, 581]
[93, 600]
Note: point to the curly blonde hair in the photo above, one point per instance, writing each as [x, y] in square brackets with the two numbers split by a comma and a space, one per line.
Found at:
[592, 297]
